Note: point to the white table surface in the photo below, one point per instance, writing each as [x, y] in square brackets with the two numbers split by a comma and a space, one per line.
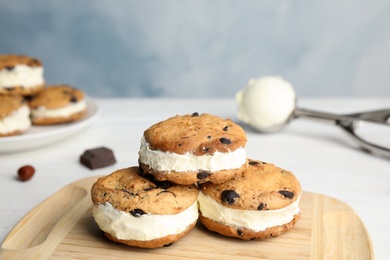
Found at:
[323, 157]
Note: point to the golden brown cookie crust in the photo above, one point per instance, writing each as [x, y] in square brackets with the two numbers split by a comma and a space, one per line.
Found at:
[12, 133]
[247, 234]
[263, 186]
[20, 90]
[154, 243]
[126, 190]
[56, 96]
[9, 104]
[196, 134]
[191, 177]
[58, 120]
[7, 61]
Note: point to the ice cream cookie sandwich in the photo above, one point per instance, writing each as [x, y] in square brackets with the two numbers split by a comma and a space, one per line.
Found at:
[14, 115]
[20, 74]
[263, 203]
[57, 104]
[142, 212]
[193, 148]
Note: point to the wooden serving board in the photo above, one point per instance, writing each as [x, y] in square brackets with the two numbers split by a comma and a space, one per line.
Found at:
[62, 227]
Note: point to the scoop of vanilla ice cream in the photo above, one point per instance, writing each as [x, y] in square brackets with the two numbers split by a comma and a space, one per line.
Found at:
[266, 102]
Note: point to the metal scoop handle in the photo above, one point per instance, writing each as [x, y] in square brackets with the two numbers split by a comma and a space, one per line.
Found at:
[350, 122]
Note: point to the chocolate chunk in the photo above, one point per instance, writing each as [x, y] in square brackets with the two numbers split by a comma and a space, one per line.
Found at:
[225, 128]
[137, 213]
[261, 206]
[163, 184]
[159, 184]
[195, 114]
[287, 194]
[253, 163]
[239, 232]
[225, 140]
[228, 196]
[202, 175]
[97, 158]
[73, 99]
[128, 192]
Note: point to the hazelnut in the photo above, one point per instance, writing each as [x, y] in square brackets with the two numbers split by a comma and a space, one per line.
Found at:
[26, 172]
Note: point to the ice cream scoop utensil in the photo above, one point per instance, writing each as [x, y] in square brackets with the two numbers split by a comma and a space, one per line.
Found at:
[349, 123]
[269, 103]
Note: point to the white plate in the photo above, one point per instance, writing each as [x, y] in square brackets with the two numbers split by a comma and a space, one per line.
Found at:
[42, 135]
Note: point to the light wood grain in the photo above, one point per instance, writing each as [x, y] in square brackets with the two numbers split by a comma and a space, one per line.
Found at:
[61, 227]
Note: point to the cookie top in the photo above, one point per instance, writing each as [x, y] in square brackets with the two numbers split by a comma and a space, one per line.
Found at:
[127, 191]
[9, 61]
[263, 186]
[197, 134]
[9, 104]
[56, 96]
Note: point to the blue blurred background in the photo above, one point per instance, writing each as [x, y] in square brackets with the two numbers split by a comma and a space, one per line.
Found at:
[200, 48]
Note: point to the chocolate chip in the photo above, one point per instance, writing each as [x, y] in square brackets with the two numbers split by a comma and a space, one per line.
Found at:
[9, 68]
[287, 194]
[225, 128]
[229, 196]
[195, 114]
[33, 62]
[163, 184]
[137, 213]
[209, 137]
[73, 99]
[253, 163]
[261, 206]
[239, 232]
[225, 140]
[128, 192]
[206, 149]
[202, 175]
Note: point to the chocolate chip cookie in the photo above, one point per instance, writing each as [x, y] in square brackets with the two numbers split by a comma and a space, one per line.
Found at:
[57, 104]
[143, 212]
[20, 74]
[14, 115]
[262, 204]
[193, 148]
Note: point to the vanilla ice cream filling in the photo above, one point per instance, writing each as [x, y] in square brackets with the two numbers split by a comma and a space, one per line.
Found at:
[70, 109]
[17, 121]
[21, 75]
[125, 226]
[256, 220]
[167, 161]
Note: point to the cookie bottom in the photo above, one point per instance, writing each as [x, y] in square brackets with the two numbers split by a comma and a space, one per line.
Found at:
[58, 120]
[247, 234]
[154, 243]
[19, 132]
[192, 177]
[21, 90]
